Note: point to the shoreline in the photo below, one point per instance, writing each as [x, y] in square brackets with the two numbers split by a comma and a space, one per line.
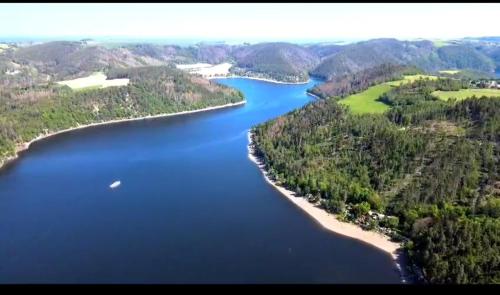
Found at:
[259, 79]
[225, 74]
[25, 146]
[313, 95]
[329, 222]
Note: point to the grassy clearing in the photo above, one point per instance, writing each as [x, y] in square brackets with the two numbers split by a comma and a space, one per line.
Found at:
[440, 43]
[466, 93]
[88, 88]
[206, 70]
[451, 72]
[3, 47]
[96, 80]
[366, 101]
[411, 78]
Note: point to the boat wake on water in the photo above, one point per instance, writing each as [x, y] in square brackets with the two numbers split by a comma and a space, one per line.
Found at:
[115, 184]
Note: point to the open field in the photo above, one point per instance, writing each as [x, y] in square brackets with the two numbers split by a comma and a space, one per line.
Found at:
[465, 93]
[96, 80]
[440, 43]
[3, 47]
[366, 101]
[411, 78]
[206, 70]
[451, 72]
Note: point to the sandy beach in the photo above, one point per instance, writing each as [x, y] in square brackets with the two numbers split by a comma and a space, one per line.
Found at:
[26, 145]
[221, 71]
[330, 222]
[313, 95]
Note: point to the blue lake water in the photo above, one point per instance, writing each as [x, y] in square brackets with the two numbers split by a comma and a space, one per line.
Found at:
[191, 208]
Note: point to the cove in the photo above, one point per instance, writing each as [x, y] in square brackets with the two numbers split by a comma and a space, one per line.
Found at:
[191, 207]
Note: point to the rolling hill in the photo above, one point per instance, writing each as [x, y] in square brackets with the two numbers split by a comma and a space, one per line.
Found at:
[61, 60]
[465, 57]
[363, 55]
[281, 61]
[422, 54]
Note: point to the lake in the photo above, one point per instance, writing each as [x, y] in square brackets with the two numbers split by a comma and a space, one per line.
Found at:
[191, 207]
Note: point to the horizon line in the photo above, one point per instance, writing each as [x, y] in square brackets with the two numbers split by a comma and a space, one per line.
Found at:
[222, 40]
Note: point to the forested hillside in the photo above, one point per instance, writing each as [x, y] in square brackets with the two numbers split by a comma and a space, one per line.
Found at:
[344, 85]
[422, 54]
[61, 60]
[279, 61]
[432, 167]
[465, 57]
[367, 54]
[29, 112]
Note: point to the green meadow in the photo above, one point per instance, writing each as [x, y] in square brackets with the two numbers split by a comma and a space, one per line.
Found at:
[440, 43]
[451, 72]
[366, 101]
[411, 78]
[466, 93]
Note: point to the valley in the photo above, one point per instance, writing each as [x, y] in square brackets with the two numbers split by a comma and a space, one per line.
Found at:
[396, 146]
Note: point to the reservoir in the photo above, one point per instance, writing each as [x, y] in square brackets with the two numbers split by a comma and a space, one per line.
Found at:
[190, 208]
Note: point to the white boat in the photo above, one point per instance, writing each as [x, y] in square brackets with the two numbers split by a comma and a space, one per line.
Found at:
[115, 184]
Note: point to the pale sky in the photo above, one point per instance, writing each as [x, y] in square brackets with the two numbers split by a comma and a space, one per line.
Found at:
[252, 21]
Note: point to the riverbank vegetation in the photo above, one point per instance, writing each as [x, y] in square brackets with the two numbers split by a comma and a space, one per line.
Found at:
[29, 112]
[425, 172]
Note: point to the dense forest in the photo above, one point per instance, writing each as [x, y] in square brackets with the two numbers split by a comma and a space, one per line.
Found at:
[432, 167]
[30, 111]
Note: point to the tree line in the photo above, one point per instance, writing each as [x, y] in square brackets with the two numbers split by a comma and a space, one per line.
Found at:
[431, 165]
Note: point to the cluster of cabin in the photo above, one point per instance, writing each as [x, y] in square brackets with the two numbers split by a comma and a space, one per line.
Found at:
[492, 84]
[371, 221]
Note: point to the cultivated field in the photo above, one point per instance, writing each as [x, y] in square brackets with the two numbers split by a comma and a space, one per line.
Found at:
[96, 80]
[466, 93]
